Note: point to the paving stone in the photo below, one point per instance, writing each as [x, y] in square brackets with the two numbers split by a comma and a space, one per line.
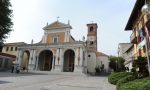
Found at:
[53, 81]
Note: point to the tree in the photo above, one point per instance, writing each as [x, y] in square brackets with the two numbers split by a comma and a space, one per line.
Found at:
[5, 19]
[117, 63]
[140, 66]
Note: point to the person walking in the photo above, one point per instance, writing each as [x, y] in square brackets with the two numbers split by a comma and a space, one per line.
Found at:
[17, 69]
[12, 68]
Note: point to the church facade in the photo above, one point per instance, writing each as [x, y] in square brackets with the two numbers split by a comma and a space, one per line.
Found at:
[59, 51]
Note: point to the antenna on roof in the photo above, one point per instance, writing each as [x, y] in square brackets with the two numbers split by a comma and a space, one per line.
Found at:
[58, 18]
[68, 22]
[47, 24]
[32, 41]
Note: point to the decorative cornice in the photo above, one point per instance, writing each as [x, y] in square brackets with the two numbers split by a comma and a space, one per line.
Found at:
[58, 45]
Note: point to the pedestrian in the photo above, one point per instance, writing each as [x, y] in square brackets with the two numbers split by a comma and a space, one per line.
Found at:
[17, 69]
[12, 68]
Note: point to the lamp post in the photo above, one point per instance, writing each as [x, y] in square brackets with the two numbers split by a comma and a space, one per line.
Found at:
[145, 11]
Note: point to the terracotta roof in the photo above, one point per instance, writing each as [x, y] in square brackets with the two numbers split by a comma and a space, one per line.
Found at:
[7, 55]
[15, 43]
[100, 54]
[90, 50]
[56, 25]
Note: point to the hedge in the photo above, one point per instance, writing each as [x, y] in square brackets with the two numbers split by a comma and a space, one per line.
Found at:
[139, 84]
[115, 77]
[125, 80]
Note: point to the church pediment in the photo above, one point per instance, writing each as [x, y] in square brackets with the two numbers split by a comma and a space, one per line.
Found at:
[56, 25]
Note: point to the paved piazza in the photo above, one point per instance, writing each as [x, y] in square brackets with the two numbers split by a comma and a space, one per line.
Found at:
[52, 81]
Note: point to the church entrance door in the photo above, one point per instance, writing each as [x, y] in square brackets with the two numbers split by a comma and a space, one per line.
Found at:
[69, 59]
[45, 60]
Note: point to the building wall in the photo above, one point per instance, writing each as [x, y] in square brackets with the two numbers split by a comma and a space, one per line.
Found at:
[6, 62]
[60, 35]
[12, 51]
[138, 26]
[58, 56]
[91, 62]
[103, 60]
[122, 48]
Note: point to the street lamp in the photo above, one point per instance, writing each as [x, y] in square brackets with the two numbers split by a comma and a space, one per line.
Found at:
[146, 8]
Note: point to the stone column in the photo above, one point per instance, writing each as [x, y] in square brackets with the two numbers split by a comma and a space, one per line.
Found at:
[81, 56]
[37, 60]
[53, 62]
[65, 37]
[68, 36]
[58, 66]
[20, 57]
[61, 59]
[31, 65]
[31, 57]
[57, 55]
[77, 67]
[34, 57]
[76, 56]
[17, 56]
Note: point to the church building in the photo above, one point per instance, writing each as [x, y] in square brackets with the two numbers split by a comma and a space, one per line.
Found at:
[59, 51]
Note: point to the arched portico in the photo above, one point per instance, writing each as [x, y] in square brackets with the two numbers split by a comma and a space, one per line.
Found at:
[69, 61]
[45, 60]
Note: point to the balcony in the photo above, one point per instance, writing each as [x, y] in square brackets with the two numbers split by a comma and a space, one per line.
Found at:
[133, 38]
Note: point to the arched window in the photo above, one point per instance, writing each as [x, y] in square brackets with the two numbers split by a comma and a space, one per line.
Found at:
[91, 28]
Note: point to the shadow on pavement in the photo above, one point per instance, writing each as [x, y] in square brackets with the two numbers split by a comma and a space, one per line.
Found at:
[3, 82]
[9, 74]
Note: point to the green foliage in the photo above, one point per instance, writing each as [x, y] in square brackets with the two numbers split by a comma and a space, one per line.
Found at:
[139, 84]
[117, 63]
[141, 64]
[125, 80]
[5, 19]
[115, 77]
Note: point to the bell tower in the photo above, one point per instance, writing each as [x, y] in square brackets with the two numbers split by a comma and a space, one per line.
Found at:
[92, 37]
[91, 47]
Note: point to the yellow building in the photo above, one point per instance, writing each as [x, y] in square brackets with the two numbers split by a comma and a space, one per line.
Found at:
[138, 23]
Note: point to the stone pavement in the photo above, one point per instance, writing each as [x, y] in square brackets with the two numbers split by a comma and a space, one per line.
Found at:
[52, 81]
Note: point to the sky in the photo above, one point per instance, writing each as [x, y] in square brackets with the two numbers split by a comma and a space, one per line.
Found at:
[111, 16]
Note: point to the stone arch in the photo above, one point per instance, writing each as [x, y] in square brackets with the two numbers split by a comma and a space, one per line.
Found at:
[45, 60]
[69, 60]
[39, 51]
[25, 59]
